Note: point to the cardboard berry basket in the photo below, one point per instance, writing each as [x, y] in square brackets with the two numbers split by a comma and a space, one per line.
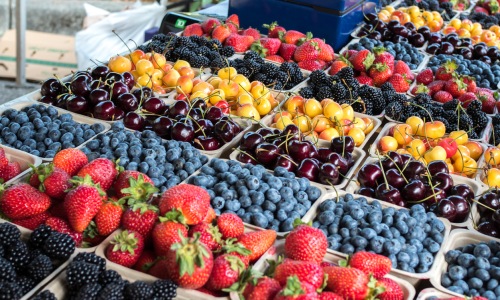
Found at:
[413, 278]
[428, 293]
[458, 238]
[24, 159]
[250, 227]
[279, 249]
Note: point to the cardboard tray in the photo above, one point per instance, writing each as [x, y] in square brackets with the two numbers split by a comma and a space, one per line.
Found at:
[24, 159]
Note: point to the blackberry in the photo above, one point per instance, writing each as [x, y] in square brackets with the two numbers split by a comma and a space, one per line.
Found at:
[40, 268]
[268, 81]
[270, 70]
[110, 276]
[59, 246]
[451, 105]
[352, 84]
[9, 234]
[10, 290]
[91, 258]
[346, 74]
[200, 41]
[378, 105]
[324, 93]
[371, 96]
[160, 37]
[480, 120]
[297, 77]
[339, 92]
[252, 65]
[260, 77]
[200, 62]
[213, 44]
[474, 107]
[213, 55]
[182, 41]
[318, 77]
[399, 98]
[282, 77]
[7, 271]
[112, 291]
[387, 87]
[18, 255]
[251, 55]
[288, 67]
[289, 85]
[465, 122]
[422, 98]
[80, 273]
[138, 290]
[26, 284]
[495, 119]
[164, 290]
[359, 106]
[473, 135]
[245, 72]
[306, 92]
[88, 291]
[217, 64]
[393, 110]
[39, 235]
[227, 51]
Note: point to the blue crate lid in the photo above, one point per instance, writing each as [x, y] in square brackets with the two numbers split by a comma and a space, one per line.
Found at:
[337, 5]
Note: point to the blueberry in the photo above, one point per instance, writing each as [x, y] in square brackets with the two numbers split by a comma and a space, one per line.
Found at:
[219, 165]
[281, 215]
[446, 280]
[466, 260]
[456, 289]
[426, 258]
[482, 274]
[482, 250]
[287, 225]
[375, 217]
[482, 263]
[268, 205]
[368, 233]
[49, 154]
[328, 205]
[257, 198]
[347, 248]
[260, 220]
[143, 167]
[273, 195]
[359, 242]
[313, 193]
[392, 246]
[492, 284]
[326, 217]
[300, 209]
[377, 244]
[456, 272]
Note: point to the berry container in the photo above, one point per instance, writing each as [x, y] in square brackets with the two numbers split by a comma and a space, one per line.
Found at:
[413, 278]
[432, 293]
[358, 155]
[76, 117]
[476, 187]
[471, 223]
[250, 227]
[279, 249]
[458, 238]
[24, 159]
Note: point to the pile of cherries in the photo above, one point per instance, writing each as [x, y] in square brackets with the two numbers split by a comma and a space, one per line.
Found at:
[404, 181]
[453, 44]
[273, 148]
[489, 212]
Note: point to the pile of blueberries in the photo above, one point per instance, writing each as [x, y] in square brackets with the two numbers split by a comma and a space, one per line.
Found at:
[474, 270]
[167, 163]
[401, 51]
[410, 238]
[39, 130]
[487, 76]
[254, 194]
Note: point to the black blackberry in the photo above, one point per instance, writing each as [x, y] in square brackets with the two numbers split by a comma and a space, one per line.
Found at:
[371, 96]
[18, 255]
[110, 276]
[213, 44]
[7, 271]
[480, 120]
[260, 77]
[59, 246]
[495, 119]
[306, 92]
[339, 92]
[378, 105]
[268, 81]
[112, 291]
[465, 122]
[393, 110]
[10, 291]
[289, 85]
[252, 65]
[352, 84]
[387, 87]
[200, 62]
[39, 235]
[297, 77]
[422, 98]
[88, 291]
[324, 93]
[346, 74]
[318, 77]
[40, 268]
[138, 290]
[9, 234]
[182, 41]
[453, 127]
[80, 273]
[200, 41]
[227, 51]
[26, 284]
[474, 107]
[278, 86]
[164, 290]
[245, 72]
[217, 64]
[91, 258]
[213, 55]
[451, 105]
[288, 67]
[359, 106]
[282, 77]
[473, 135]
[269, 70]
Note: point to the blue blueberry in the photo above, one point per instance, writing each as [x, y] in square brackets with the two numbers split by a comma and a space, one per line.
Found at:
[313, 193]
[426, 258]
[482, 250]
[466, 260]
[377, 244]
[392, 246]
[482, 274]
[257, 198]
[347, 248]
[446, 280]
[456, 272]
[482, 263]
[287, 225]
[326, 217]
[359, 242]
[281, 215]
[260, 220]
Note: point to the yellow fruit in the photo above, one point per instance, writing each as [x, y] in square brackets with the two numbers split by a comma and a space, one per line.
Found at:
[120, 64]
[348, 112]
[263, 106]
[282, 122]
[216, 96]
[303, 122]
[334, 112]
[248, 111]
[312, 108]
[358, 135]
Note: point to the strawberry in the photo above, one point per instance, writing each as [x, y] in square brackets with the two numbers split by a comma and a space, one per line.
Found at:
[192, 201]
[480, 9]
[62, 226]
[362, 60]
[306, 243]
[230, 225]
[435, 86]
[306, 271]
[307, 51]
[371, 263]
[193, 29]
[383, 57]
[487, 100]
[125, 248]
[471, 83]
[392, 291]
[339, 65]
[312, 65]
[275, 58]
[420, 89]
[102, 171]
[264, 288]
[158, 268]
[297, 290]
[380, 73]
[446, 70]
[9, 171]
[140, 217]
[329, 296]
[425, 76]
[232, 28]
[231, 246]
[189, 263]
[251, 32]
[274, 29]
[240, 43]
[135, 185]
[108, 217]
[266, 46]
[466, 99]
[53, 181]
[82, 203]
[209, 24]
[145, 261]
[168, 232]
[326, 52]
[3, 159]
[70, 160]
[351, 283]
[221, 33]
[21, 201]
[400, 67]
[399, 83]
[363, 79]
[225, 272]
[32, 222]
[291, 36]
[350, 53]
[209, 235]
[455, 87]
[257, 242]
[442, 97]
[234, 19]
[287, 50]
[210, 216]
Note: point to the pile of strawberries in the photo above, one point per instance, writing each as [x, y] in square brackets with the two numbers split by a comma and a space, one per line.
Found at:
[8, 169]
[446, 85]
[375, 68]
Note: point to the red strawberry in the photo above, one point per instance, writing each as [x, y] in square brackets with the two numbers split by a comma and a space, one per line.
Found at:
[240, 43]
[306, 243]
[312, 65]
[53, 181]
[442, 97]
[455, 87]
[274, 29]
[329, 296]
[102, 171]
[338, 65]
[466, 99]
[134, 184]
[209, 24]
[230, 225]
[380, 73]
[399, 83]
[32, 222]
[400, 67]
[82, 203]
[392, 291]
[9, 171]
[62, 226]
[350, 53]
[326, 52]
[480, 9]
[3, 159]
[231, 246]
[287, 50]
[125, 248]
[371, 263]
[420, 89]
[21, 201]
[158, 268]
[383, 57]
[350, 283]
[145, 261]
[234, 19]
[435, 86]
[210, 216]
[191, 200]
[140, 217]
[221, 33]
[425, 76]
[108, 217]
[189, 263]
[297, 290]
[209, 235]
[266, 46]
[362, 60]
[166, 233]
[445, 71]
[275, 58]
[251, 32]
[307, 51]
[306, 271]
[193, 29]
[291, 36]
[471, 83]
[257, 242]
[363, 79]
[232, 28]
[70, 160]
[225, 272]
[264, 288]
[487, 100]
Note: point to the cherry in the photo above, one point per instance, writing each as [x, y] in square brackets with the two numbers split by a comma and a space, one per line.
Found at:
[370, 175]
[425, 31]
[134, 121]
[47, 99]
[113, 77]
[119, 114]
[182, 131]
[207, 143]
[96, 84]
[250, 141]
[309, 169]
[199, 103]
[462, 208]
[203, 127]
[127, 101]
[433, 196]
[405, 158]
[61, 100]
[395, 179]
[367, 192]
[299, 150]
[329, 174]
[265, 132]
[196, 114]
[388, 193]
[414, 190]
[246, 158]
[100, 72]
[154, 105]
[104, 110]
[128, 79]
[117, 89]
[323, 154]
[161, 126]
[224, 130]
[291, 129]
[51, 87]
[446, 209]
[490, 200]
[414, 169]
[80, 86]
[388, 163]
[213, 113]
[179, 108]
[285, 161]
[443, 181]
[342, 144]
[266, 153]
[339, 161]
[77, 104]
[496, 217]
[433, 48]
[98, 95]
[437, 166]
[462, 190]
[143, 93]
[489, 228]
